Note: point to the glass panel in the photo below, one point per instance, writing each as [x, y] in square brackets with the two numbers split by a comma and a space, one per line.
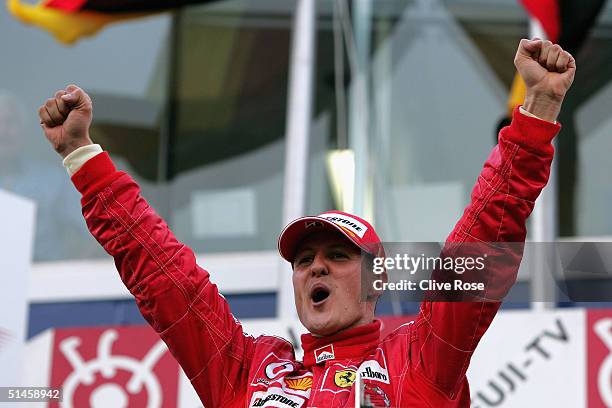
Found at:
[123, 69]
[583, 166]
[227, 149]
[437, 102]
[588, 125]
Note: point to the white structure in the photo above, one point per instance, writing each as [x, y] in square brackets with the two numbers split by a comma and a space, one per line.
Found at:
[17, 220]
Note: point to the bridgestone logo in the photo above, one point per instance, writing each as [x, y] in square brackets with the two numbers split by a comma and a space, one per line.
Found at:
[347, 222]
[375, 375]
[259, 402]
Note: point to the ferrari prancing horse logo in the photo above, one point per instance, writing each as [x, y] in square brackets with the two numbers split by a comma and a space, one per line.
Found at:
[345, 378]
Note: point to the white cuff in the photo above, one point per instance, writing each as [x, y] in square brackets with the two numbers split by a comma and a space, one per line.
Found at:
[75, 160]
[531, 115]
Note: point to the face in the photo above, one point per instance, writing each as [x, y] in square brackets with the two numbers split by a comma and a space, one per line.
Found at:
[327, 284]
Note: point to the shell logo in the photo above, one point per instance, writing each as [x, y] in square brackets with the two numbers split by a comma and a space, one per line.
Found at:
[300, 384]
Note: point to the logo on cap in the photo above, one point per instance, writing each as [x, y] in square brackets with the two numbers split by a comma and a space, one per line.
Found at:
[349, 224]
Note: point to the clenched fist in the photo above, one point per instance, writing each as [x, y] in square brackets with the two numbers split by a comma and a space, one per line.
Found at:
[548, 72]
[65, 119]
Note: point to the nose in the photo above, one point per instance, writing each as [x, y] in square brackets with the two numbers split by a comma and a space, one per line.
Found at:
[318, 267]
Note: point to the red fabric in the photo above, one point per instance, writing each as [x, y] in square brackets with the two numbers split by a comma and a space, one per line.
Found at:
[97, 172]
[66, 5]
[548, 13]
[420, 364]
[348, 344]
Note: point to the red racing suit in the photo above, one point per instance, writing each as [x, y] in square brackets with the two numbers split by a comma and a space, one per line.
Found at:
[421, 364]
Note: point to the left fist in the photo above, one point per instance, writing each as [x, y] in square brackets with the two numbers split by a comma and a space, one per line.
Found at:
[548, 70]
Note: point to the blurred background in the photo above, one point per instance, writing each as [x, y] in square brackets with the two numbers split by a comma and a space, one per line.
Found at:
[235, 116]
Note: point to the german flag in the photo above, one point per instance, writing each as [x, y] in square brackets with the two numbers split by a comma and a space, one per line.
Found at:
[565, 22]
[70, 20]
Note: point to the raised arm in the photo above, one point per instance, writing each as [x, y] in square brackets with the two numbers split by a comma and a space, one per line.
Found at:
[502, 198]
[174, 294]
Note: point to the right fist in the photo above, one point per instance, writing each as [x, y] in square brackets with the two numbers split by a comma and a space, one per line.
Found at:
[546, 68]
[65, 119]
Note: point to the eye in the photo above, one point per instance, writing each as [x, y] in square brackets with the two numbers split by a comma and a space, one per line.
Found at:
[304, 259]
[339, 255]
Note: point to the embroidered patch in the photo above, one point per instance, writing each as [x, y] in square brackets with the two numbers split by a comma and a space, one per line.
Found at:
[324, 354]
[345, 378]
[299, 384]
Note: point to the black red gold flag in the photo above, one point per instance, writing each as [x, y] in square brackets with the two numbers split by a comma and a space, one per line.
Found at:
[70, 20]
[565, 22]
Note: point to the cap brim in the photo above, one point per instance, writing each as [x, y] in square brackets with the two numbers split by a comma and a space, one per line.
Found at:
[294, 233]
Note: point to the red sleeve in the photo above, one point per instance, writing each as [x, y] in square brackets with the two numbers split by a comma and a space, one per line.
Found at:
[174, 294]
[515, 173]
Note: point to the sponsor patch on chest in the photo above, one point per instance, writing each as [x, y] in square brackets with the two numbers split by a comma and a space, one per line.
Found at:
[276, 397]
[324, 353]
[299, 384]
[279, 382]
[345, 378]
[374, 370]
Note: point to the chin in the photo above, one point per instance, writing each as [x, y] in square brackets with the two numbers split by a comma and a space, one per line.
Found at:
[321, 326]
[326, 327]
[327, 320]
[322, 331]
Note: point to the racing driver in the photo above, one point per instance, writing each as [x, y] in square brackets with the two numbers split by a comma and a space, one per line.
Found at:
[420, 364]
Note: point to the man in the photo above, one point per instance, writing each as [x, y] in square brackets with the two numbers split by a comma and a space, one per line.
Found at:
[421, 364]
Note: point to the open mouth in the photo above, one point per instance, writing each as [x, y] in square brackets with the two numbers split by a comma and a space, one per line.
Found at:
[319, 294]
